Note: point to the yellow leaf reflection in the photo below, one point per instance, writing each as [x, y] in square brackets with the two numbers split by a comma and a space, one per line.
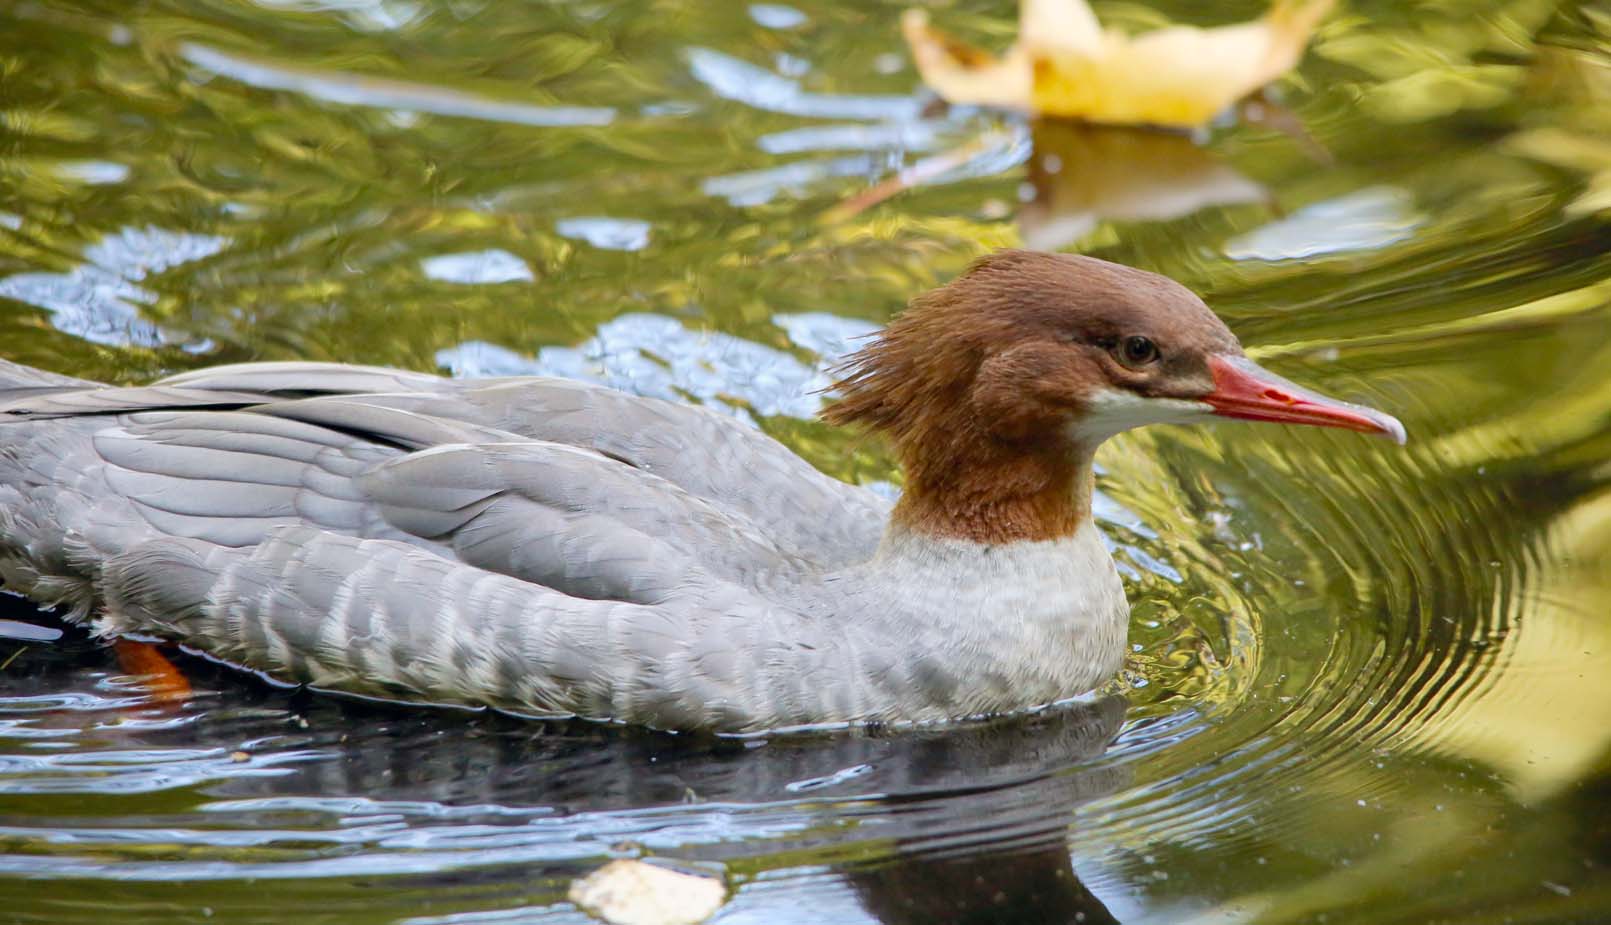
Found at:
[1084, 174]
[1080, 176]
[1064, 64]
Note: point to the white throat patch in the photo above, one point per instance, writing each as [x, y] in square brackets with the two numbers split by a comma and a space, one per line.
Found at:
[1114, 411]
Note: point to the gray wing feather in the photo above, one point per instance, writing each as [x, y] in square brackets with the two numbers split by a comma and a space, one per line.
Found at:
[230, 477]
[574, 520]
[304, 378]
[381, 423]
[190, 455]
[730, 464]
[250, 431]
[111, 401]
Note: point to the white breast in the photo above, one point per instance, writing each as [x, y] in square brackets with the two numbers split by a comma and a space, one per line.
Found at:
[1006, 626]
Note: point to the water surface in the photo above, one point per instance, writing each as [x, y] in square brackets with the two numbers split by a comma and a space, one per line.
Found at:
[1368, 684]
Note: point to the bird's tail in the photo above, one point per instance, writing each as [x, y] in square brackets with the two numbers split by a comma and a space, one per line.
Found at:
[15, 376]
[18, 381]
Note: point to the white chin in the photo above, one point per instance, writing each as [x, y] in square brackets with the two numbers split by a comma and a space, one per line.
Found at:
[1113, 411]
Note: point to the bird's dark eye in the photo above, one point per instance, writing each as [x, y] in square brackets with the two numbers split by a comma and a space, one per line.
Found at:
[1136, 351]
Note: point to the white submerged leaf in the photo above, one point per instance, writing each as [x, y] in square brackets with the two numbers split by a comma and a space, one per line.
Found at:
[629, 892]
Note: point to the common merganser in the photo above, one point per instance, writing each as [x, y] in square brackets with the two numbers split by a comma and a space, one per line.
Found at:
[558, 548]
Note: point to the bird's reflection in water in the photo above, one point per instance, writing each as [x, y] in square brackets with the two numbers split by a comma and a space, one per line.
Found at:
[1036, 887]
[1084, 174]
[983, 817]
[963, 825]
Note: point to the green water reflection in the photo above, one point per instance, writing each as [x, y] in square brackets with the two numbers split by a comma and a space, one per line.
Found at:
[1370, 684]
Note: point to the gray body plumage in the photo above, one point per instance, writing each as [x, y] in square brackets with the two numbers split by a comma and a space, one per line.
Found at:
[535, 544]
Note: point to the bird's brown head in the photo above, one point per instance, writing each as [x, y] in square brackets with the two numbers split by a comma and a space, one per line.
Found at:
[996, 388]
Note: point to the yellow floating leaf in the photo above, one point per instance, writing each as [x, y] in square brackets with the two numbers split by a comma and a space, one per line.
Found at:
[963, 74]
[1065, 65]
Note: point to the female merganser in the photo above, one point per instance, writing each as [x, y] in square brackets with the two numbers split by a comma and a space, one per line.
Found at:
[559, 548]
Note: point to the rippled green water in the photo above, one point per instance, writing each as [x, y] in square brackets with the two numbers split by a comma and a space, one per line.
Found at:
[1369, 684]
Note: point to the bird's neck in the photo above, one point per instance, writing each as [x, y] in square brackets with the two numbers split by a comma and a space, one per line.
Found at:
[993, 493]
